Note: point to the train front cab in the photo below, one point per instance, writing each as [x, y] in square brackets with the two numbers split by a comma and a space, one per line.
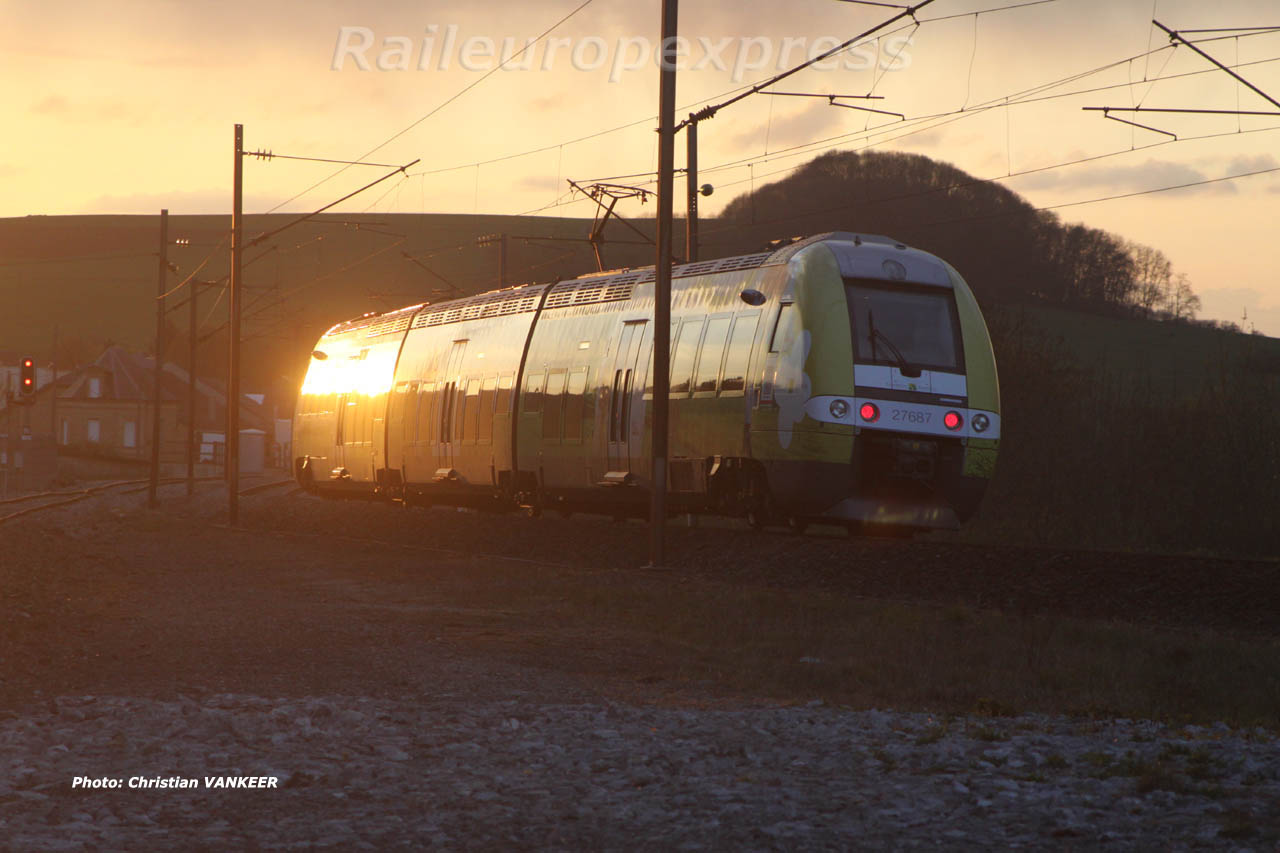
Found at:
[883, 387]
[339, 434]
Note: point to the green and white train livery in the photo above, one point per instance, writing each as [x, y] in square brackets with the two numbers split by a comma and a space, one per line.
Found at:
[843, 379]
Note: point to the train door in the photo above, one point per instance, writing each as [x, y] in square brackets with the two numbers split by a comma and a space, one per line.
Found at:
[449, 392]
[339, 455]
[399, 428]
[781, 339]
[626, 415]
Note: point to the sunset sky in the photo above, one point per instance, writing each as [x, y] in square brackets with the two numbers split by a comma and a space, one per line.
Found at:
[127, 107]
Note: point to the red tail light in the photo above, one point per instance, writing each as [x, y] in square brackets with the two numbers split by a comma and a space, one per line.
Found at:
[952, 421]
[869, 412]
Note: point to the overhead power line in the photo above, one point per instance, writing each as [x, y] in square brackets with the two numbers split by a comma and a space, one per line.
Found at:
[1187, 185]
[464, 90]
[692, 105]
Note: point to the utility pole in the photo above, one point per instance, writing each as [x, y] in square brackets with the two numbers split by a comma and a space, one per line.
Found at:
[233, 371]
[662, 282]
[53, 395]
[193, 323]
[691, 193]
[153, 500]
[502, 261]
[482, 241]
[691, 181]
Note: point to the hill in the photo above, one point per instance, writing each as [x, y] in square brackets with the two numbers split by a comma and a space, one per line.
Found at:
[1120, 431]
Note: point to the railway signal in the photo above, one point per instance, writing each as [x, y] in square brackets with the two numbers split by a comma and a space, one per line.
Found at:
[27, 382]
[499, 240]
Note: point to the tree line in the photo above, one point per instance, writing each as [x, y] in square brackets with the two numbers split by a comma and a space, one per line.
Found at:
[1008, 251]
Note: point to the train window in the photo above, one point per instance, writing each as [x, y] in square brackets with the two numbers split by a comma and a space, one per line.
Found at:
[615, 397]
[533, 386]
[410, 413]
[686, 350]
[553, 406]
[459, 410]
[708, 372]
[395, 406]
[340, 412]
[471, 412]
[488, 393]
[426, 414]
[902, 324]
[504, 393]
[446, 412]
[575, 404]
[784, 328]
[739, 355]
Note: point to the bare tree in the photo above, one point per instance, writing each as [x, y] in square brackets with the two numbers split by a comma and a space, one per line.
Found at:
[1152, 274]
[1183, 302]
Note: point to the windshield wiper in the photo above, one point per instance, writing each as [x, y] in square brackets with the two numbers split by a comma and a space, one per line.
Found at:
[874, 334]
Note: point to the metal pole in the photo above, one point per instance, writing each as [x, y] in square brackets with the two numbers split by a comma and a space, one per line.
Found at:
[662, 283]
[691, 206]
[53, 395]
[233, 308]
[153, 499]
[193, 326]
[502, 260]
[1173, 36]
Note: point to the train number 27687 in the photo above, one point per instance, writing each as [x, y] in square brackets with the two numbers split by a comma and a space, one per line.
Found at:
[910, 417]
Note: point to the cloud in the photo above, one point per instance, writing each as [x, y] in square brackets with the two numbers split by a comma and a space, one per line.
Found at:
[1152, 174]
[924, 139]
[52, 105]
[1239, 165]
[541, 184]
[97, 111]
[177, 202]
[547, 102]
[815, 122]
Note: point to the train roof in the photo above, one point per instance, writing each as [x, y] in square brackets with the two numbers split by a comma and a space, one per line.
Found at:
[877, 257]
[873, 256]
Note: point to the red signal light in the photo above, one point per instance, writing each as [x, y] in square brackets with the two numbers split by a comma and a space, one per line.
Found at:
[869, 412]
[27, 379]
[952, 421]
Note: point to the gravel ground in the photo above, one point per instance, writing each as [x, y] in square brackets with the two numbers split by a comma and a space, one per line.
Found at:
[448, 771]
[137, 645]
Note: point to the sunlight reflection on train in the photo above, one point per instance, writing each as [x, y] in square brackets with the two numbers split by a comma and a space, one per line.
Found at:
[353, 371]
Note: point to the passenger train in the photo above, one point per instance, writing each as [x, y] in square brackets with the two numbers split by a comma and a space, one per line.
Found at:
[843, 379]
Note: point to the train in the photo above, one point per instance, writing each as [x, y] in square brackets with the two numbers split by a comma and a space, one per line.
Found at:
[842, 379]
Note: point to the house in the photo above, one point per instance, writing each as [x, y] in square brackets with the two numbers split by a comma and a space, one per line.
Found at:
[105, 409]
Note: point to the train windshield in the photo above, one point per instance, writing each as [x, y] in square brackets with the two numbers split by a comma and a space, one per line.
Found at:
[905, 326]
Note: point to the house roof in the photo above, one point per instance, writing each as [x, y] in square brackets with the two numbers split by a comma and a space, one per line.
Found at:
[131, 377]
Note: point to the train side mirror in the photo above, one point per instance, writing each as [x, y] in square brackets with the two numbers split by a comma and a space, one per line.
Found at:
[752, 297]
[318, 355]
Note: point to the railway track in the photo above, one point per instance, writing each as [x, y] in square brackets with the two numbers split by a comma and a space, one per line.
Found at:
[55, 499]
[1227, 594]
